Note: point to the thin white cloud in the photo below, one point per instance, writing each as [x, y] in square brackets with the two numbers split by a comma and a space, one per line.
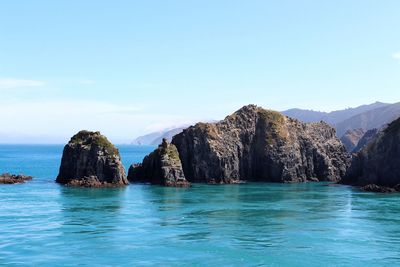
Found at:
[13, 83]
[396, 56]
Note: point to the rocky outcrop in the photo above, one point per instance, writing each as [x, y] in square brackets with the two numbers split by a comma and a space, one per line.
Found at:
[7, 178]
[377, 165]
[161, 167]
[255, 144]
[367, 137]
[351, 138]
[379, 189]
[90, 160]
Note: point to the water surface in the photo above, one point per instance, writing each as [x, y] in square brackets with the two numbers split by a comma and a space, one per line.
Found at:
[44, 224]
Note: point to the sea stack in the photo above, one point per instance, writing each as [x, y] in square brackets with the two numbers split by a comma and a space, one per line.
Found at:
[377, 166]
[90, 160]
[254, 144]
[161, 167]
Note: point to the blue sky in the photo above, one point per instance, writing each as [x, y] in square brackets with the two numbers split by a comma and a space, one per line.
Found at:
[130, 67]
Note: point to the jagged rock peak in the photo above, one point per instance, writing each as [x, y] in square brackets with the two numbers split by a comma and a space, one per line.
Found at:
[161, 167]
[90, 160]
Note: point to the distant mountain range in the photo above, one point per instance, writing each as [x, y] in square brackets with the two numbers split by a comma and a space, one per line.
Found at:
[375, 118]
[365, 117]
[333, 117]
[156, 137]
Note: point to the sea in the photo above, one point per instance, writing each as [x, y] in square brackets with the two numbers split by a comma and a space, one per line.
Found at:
[252, 224]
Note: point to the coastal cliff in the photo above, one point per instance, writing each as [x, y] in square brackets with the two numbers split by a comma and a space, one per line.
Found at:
[254, 144]
[90, 160]
[377, 166]
[365, 139]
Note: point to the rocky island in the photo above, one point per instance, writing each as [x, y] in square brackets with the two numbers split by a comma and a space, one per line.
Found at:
[7, 178]
[253, 144]
[377, 166]
[90, 160]
[162, 167]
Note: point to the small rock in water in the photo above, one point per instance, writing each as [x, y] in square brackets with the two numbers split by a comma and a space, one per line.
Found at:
[7, 178]
[377, 189]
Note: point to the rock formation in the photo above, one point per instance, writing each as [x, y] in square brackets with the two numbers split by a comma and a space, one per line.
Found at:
[7, 178]
[90, 160]
[162, 167]
[377, 166]
[367, 137]
[351, 138]
[254, 144]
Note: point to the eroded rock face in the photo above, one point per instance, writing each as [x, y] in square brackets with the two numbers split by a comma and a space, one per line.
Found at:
[7, 178]
[161, 167]
[377, 165]
[351, 138]
[90, 160]
[255, 144]
[366, 138]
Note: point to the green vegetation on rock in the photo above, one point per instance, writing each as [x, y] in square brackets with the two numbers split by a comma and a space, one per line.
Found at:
[208, 128]
[275, 122]
[85, 137]
[170, 150]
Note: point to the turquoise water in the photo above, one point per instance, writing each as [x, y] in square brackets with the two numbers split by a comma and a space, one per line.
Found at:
[44, 224]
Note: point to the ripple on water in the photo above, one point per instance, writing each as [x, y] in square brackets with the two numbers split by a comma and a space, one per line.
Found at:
[43, 224]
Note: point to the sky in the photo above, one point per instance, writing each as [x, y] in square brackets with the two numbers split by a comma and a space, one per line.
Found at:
[127, 68]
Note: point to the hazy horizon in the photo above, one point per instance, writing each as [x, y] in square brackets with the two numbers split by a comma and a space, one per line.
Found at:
[133, 67]
[16, 139]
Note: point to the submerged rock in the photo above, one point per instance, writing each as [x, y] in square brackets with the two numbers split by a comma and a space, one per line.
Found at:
[90, 160]
[255, 144]
[7, 178]
[378, 189]
[378, 163]
[162, 167]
